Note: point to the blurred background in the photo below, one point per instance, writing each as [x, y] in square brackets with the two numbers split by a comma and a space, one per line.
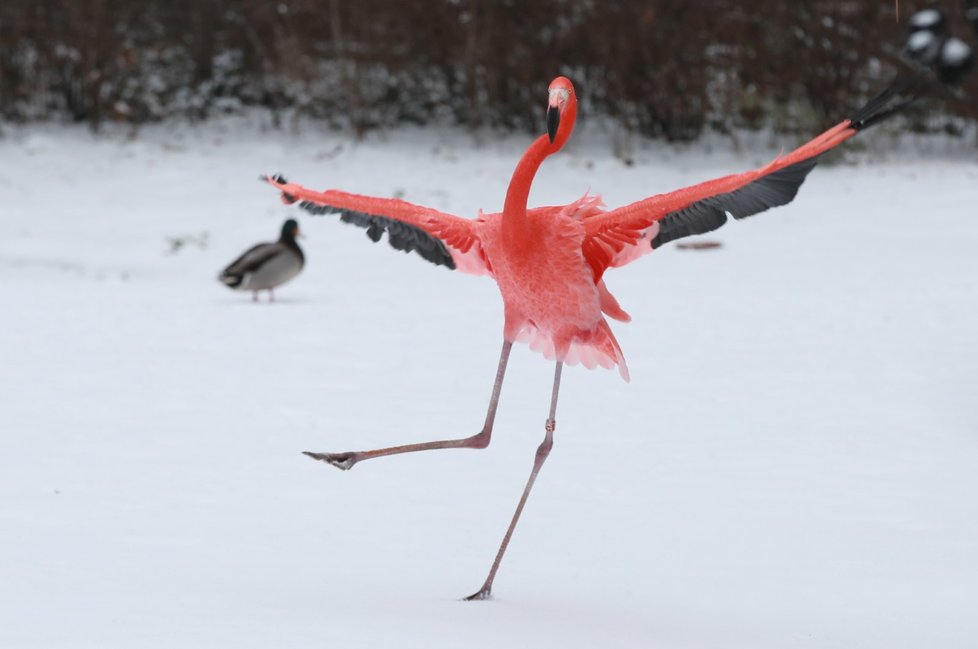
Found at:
[653, 67]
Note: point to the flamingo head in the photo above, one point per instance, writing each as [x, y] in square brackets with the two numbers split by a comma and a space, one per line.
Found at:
[561, 99]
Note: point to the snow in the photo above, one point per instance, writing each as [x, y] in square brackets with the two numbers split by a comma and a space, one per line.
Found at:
[921, 41]
[926, 19]
[793, 464]
[955, 52]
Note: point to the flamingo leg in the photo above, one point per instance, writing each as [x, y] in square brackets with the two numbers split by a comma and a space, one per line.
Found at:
[345, 461]
[542, 452]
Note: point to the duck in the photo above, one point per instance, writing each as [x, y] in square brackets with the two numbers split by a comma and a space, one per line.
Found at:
[266, 266]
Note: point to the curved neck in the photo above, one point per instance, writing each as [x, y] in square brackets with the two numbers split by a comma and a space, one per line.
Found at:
[519, 185]
[514, 209]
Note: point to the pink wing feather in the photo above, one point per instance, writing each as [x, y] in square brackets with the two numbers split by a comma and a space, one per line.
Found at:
[443, 239]
[622, 235]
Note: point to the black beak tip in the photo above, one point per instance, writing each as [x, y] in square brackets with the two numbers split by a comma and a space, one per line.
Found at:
[553, 121]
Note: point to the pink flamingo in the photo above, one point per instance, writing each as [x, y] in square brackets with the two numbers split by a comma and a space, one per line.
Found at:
[549, 262]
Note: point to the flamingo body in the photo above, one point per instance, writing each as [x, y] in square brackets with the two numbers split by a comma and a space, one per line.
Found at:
[550, 298]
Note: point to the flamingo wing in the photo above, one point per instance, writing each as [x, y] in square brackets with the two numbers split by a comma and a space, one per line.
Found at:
[440, 238]
[622, 235]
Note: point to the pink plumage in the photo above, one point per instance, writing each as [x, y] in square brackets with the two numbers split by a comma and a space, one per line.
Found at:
[549, 262]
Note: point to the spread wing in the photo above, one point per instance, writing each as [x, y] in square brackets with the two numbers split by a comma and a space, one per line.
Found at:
[443, 239]
[620, 236]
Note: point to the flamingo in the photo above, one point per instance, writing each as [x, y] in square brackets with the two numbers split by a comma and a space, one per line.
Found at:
[549, 262]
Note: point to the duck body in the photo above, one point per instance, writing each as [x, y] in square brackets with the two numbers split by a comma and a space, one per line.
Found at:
[266, 266]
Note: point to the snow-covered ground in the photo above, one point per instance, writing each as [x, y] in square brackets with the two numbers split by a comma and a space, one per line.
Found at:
[795, 463]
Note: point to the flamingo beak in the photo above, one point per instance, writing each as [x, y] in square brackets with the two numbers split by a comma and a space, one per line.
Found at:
[553, 121]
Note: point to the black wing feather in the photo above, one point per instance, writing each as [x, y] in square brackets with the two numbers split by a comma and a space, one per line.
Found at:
[400, 236]
[772, 190]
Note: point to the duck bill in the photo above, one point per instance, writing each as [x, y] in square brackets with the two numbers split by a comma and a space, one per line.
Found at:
[553, 122]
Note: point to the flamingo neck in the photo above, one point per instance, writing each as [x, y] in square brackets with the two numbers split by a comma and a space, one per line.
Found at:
[526, 170]
[514, 209]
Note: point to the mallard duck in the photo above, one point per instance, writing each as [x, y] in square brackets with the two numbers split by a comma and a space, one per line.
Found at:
[267, 265]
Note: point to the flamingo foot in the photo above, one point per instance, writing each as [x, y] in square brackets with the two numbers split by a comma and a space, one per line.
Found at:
[483, 594]
[342, 461]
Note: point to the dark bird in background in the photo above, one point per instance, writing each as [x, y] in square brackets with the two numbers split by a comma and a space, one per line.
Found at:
[266, 265]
